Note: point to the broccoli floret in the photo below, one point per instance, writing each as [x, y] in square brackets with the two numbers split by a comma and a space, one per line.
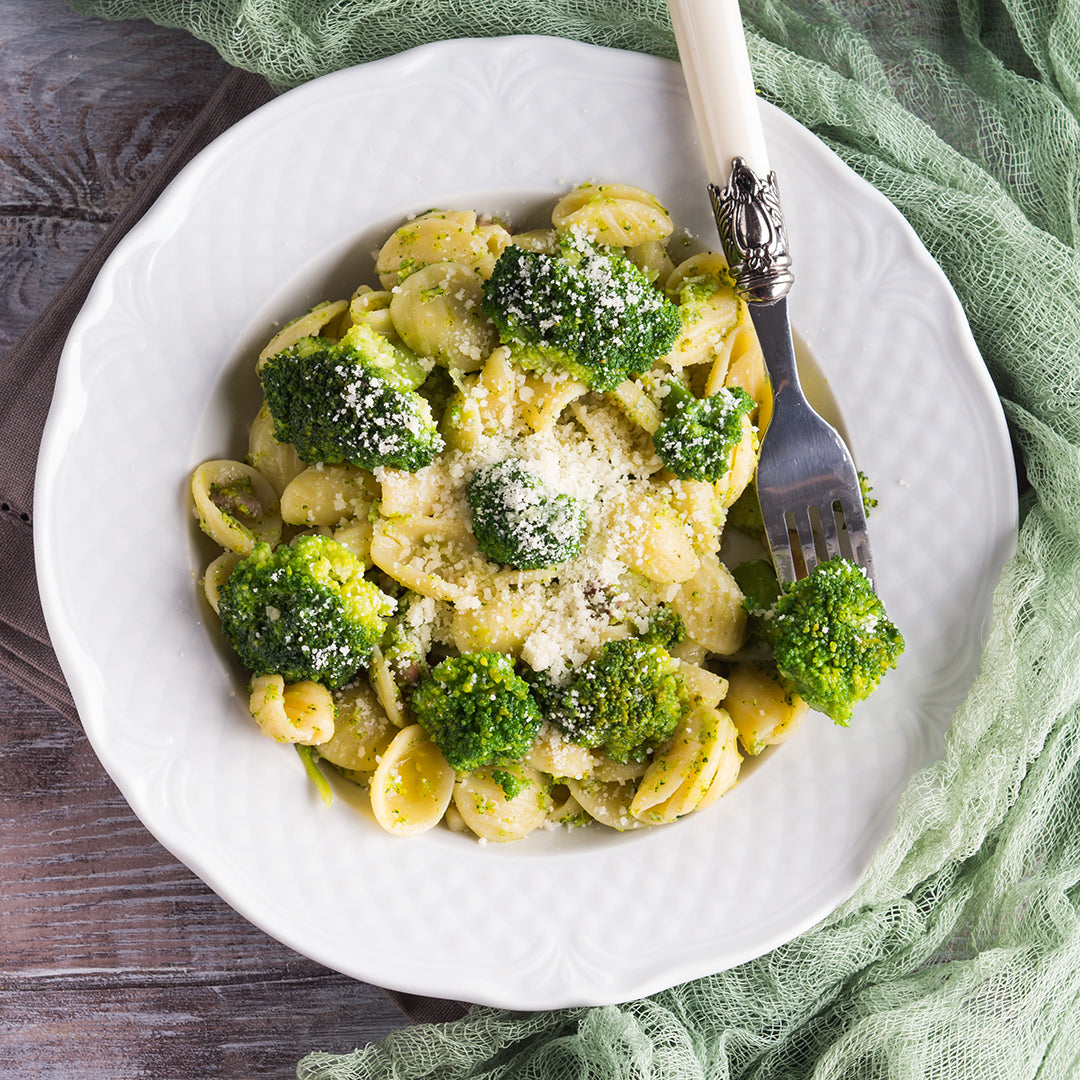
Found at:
[666, 628]
[354, 401]
[586, 310]
[518, 522]
[477, 710]
[543, 687]
[303, 611]
[831, 638]
[696, 438]
[511, 783]
[627, 700]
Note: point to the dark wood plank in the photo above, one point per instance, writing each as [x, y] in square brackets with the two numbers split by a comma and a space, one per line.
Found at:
[90, 107]
[161, 1030]
[37, 255]
[115, 959]
[117, 952]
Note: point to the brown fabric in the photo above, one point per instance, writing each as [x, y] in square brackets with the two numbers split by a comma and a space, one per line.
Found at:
[26, 386]
[425, 1010]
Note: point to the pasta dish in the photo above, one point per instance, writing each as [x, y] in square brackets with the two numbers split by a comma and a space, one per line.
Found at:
[476, 558]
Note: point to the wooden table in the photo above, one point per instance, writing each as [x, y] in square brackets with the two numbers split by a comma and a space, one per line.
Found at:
[115, 960]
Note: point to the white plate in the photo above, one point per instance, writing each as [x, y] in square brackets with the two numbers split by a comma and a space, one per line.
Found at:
[285, 209]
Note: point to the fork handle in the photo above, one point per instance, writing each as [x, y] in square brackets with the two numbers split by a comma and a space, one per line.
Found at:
[744, 193]
[716, 66]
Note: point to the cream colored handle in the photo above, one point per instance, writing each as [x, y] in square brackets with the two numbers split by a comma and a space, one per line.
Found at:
[716, 65]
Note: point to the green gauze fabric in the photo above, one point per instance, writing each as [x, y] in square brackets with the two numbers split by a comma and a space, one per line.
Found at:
[959, 957]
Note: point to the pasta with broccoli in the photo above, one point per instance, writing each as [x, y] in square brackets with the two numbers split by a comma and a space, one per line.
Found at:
[475, 561]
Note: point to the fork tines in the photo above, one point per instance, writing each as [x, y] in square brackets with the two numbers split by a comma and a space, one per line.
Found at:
[802, 534]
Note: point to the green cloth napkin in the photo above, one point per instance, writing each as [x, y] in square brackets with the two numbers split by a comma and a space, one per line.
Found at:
[959, 956]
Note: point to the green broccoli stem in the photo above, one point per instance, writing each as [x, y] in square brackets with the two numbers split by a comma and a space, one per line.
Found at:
[677, 395]
[309, 756]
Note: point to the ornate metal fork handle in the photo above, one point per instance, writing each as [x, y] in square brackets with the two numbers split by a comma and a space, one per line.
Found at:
[750, 221]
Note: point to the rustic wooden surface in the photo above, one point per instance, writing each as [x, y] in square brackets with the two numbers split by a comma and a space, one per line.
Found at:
[115, 960]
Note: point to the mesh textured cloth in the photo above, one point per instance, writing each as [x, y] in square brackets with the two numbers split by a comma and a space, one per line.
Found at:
[959, 956]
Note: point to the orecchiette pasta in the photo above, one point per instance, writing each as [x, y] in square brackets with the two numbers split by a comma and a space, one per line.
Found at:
[216, 574]
[235, 505]
[362, 732]
[710, 603]
[652, 258]
[649, 543]
[406, 494]
[726, 775]
[745, 367]
[436, 312]
[423, 553]
[743, 464]
[488, 403]
[356, 536]
[327, 495]
[440, 236]
[764, 712]
[684, 771]
[565, 809]
[705, 264]
[542, 240]
[372, 307]
[277, 461]
[653, 539]
[502, 623]
[607, 801]
[706, 686]
[412, 784]
[613, 214]
[545, 396]
[638, 405]
[300, 712]
[607, 771]
[386, 689]
[555, 755]
[710, 312]
[503, 804]
[703, 506]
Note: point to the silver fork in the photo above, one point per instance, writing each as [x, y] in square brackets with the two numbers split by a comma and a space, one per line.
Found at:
[807, 484]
